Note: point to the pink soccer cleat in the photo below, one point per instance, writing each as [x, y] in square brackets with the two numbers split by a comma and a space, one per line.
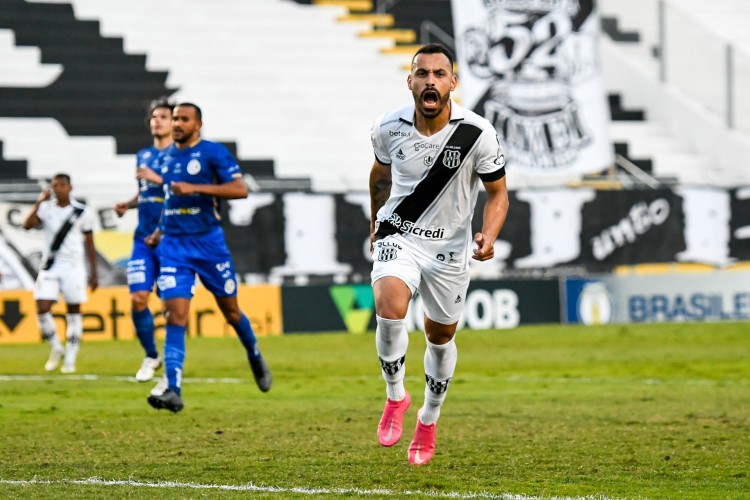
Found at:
[391, 424]
[422, 446]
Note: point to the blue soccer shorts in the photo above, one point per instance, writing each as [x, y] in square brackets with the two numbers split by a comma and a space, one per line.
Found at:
[143, 267]
[184, 256]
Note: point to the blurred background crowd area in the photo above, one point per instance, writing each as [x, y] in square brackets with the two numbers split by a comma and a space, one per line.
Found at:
[626, 124]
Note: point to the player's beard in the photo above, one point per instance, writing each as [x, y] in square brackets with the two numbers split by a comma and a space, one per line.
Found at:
[430, 113]
[179, 136]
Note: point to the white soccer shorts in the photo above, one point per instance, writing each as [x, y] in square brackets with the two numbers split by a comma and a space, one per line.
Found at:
[442, 285]
[67, 278]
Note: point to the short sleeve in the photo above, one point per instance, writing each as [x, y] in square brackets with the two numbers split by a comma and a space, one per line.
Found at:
[86, 221]
[43, 211]
[382, 153]
[490, 164]
[225, 165]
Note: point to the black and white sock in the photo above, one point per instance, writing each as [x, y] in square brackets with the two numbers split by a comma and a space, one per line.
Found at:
[73, 335]
[439, 366]
[49, 331]
[391, 341]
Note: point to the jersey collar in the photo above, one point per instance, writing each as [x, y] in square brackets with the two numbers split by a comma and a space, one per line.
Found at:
[407, 114]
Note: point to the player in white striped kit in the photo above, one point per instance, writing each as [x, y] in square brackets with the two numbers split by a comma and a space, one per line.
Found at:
[68, 231]
[429, 160]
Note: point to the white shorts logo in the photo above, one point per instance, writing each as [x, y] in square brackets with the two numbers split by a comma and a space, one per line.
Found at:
[193, 167]
[386, 254]
[166, 282]
[229, 286]
[136, 278]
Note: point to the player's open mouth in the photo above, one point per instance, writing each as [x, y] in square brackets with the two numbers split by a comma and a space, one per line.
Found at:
[430, 98]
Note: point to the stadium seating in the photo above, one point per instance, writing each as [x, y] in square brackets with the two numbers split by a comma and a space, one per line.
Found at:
[292, 87]
[304, 95]
[686, 136]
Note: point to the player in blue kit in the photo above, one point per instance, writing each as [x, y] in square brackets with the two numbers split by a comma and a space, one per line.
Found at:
[143, 265]
[196, 173]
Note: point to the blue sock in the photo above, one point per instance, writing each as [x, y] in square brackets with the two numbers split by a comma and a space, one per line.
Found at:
[144, 329]
[174, 356]
[247, 337]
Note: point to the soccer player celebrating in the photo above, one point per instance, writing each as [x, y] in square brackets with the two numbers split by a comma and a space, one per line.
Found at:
[68, 232]
[143, 265]
[429, 160]
[195, 173]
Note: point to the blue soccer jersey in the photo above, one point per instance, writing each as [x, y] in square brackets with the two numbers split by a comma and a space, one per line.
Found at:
[205, 163]
[150, 195]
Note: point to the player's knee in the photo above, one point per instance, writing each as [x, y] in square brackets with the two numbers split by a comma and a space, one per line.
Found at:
[391, 310]
[233, 316]
[43, 308]
[438, 333]
[176, 317]
[392, 298]
[139, 301]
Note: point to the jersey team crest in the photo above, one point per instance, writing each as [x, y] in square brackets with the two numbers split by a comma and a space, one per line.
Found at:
[444, 167]
[452, 158]
[193, 167]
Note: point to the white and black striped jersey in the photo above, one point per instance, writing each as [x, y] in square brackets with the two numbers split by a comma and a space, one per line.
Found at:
[436, 178]
[53, 216]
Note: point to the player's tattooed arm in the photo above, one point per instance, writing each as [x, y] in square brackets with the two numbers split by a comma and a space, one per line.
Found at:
[380, 190]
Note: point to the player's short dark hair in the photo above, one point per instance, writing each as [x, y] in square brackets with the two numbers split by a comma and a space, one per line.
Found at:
[198, 112]
[62, 176]
[434, 48]
[161, 102]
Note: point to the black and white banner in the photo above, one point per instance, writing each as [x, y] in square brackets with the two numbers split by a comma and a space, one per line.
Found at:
[316, 237]
[532, 68]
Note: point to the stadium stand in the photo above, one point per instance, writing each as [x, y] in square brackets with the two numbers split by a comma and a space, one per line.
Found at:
[686, 134]
[304, 96]
[295, 104]
[98, 77]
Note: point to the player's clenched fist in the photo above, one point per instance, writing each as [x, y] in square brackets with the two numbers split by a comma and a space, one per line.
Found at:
[485, 248]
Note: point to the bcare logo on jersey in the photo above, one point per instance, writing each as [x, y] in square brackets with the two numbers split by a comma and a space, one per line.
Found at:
[419, 146]
[409, 227]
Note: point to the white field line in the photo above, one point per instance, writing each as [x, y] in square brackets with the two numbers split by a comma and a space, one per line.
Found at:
[95, 481]
[470, 378]
[116, 378]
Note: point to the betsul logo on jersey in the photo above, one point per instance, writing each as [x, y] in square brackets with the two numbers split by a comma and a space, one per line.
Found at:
[193, 167]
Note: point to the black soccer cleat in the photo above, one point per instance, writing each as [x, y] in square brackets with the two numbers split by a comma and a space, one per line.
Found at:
[169, 400]
[262, 373]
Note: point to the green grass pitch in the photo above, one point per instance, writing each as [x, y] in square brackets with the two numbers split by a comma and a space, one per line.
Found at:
[648, 411]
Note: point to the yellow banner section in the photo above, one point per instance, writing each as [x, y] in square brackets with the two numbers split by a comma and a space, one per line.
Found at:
[106, 315]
